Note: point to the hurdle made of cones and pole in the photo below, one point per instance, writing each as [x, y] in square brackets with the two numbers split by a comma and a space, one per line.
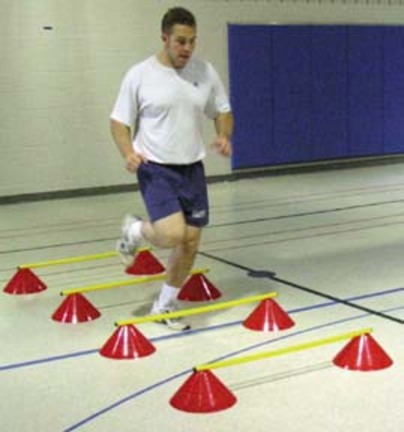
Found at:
[127, 342]
[25, 281]
[204, 392]
[75, 308]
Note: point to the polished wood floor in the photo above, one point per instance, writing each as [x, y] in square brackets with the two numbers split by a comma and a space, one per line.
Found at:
[330, 244]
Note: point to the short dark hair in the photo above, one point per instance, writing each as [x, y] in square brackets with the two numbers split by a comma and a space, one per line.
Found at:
[177, 15]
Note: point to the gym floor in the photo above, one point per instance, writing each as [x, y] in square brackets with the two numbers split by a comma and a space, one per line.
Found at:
[329, 243]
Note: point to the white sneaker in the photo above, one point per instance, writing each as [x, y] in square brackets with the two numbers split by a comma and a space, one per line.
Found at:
[128, 245]
[177, 324]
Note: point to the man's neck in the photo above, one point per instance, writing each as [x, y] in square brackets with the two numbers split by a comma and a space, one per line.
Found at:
[164, 59]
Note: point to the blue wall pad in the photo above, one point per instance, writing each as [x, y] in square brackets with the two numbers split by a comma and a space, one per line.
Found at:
[305, 93]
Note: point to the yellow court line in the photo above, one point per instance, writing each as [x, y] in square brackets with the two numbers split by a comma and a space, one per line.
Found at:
[281, 351]
[197, 310]
[125, 282]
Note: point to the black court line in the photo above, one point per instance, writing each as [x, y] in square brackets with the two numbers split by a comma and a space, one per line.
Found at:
[171, 378]
[310, 213]
[266, 274]
[177, 335]
[218, 225]
[57, 245]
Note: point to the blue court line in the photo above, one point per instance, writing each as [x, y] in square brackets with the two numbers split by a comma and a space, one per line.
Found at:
[128, 398]
[191, 332]
[229, 355]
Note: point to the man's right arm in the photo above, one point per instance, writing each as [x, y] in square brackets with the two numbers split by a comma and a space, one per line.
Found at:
[121, 133]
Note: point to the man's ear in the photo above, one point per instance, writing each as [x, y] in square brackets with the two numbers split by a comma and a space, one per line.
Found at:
[164, 37]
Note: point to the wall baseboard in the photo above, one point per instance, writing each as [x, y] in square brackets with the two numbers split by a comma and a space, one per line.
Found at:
[234, 176]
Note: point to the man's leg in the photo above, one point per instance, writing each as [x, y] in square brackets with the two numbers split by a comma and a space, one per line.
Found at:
[183, 256]
[172, 232]
[179, 265]
[166, 232]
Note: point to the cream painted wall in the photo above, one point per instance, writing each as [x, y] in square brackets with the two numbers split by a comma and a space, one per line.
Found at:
[57, 86]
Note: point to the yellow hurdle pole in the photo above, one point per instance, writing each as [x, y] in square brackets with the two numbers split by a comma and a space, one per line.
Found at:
[73, 260]
[70, 260]
[195, 311]
[121, 283]
[281, 351]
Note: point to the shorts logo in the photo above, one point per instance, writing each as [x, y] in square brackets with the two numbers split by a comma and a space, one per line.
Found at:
[198, 214]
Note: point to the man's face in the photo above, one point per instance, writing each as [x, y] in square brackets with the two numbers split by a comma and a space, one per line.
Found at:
[179, 45]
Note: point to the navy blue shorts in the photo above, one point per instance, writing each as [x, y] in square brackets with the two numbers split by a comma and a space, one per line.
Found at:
[169, 189]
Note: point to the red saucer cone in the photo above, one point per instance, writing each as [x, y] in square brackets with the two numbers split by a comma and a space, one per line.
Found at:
[127, 343]
[145, 264]
[203, 392]
[75, 309]
[363, 353]
[24, 282]
[268, 316]
[198, 288]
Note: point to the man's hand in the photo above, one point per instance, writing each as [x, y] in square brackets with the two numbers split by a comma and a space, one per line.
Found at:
[222, 145]
[133, 161]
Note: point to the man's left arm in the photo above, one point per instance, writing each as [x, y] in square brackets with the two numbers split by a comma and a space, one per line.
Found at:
[224, 124]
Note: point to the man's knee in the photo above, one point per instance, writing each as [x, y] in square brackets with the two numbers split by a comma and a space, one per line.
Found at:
[192, 239]
[173, 232]
[188, 239]
[174, 236]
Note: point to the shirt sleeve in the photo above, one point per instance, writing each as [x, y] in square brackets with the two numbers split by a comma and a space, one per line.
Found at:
[126, 107]
[218, 101]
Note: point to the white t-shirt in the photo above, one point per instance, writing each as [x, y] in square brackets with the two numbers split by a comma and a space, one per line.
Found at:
[167, 106]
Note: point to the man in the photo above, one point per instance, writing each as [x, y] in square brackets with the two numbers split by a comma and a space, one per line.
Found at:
[161, 105]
